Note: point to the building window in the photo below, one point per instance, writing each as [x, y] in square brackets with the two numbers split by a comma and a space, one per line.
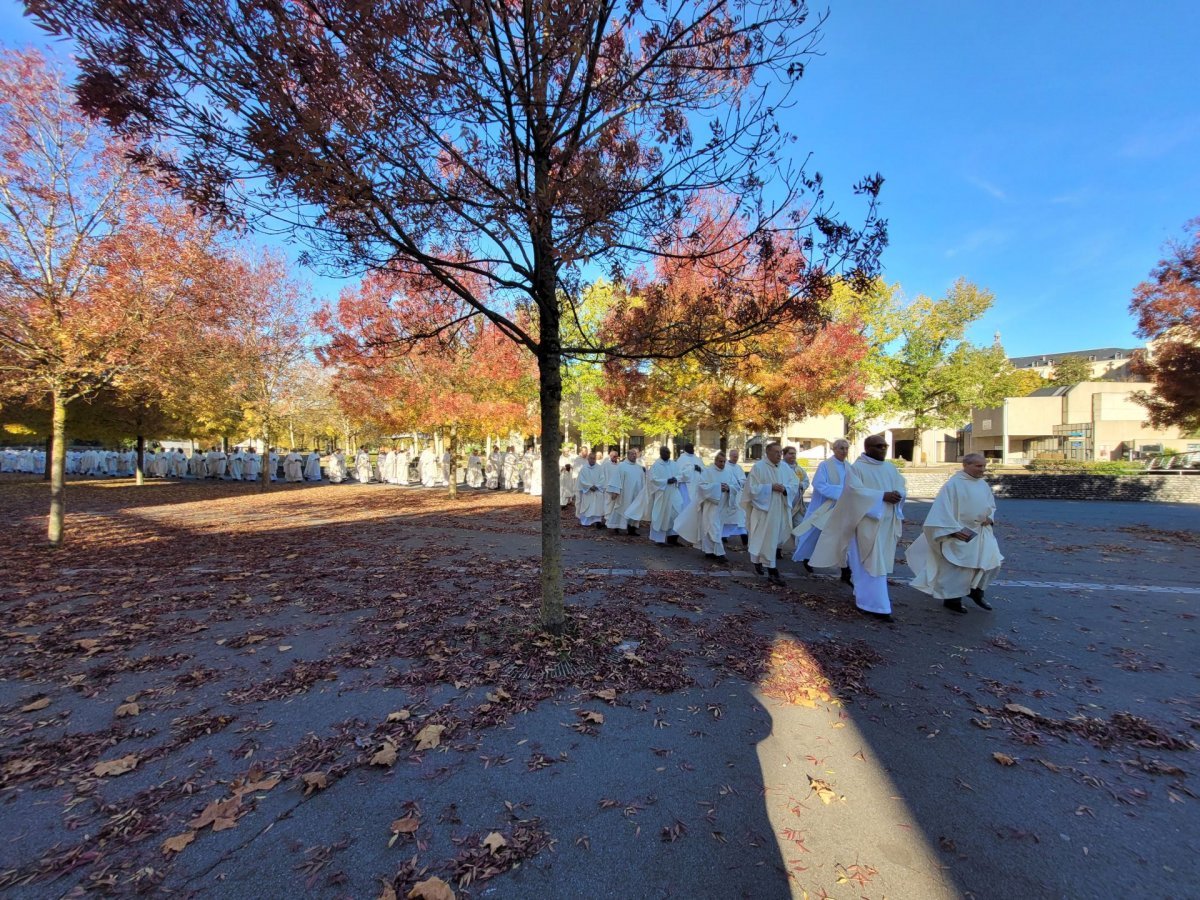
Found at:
[986, 424]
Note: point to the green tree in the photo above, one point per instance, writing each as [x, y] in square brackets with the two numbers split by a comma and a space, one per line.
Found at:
[936, 376]
[1022, 382]
[1070, 371]
[877, 314]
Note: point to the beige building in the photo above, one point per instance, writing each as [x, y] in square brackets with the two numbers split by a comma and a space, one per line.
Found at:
[1094, 420]
[1108, 363]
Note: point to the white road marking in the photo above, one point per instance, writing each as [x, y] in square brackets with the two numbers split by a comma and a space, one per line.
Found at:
[1040, 585]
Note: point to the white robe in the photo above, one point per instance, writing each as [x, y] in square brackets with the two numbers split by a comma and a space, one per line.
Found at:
[251, 466]
[947, 568]
[474, 471]
[864, 530]
[428, 468]
[735, 518]
[508, 471]
[566, 479]
[591, 491]
[337, 468]
[690, 469]
[312, 467]
[625, 484]
[362, 466]
[827, 486]
[768, 512]
[402, 467]
[702, 523]
[665, 499]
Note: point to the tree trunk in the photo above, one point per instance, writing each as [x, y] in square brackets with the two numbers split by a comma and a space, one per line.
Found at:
[550, 393]
[453, 462]
[58, 470]
[138, 470]
[265, 475]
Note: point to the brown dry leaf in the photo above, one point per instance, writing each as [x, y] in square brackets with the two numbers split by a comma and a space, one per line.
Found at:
[385, 756]
[388, 893]
[128, 709]
[87, 643]
[284, 648]
[594, 717]
[263, 784]
[314, 781]
[254, 639]
[431, 889]
[400, 715]
[1020, 710]
[430, 736]
[498, 695]
[116, 766]
[1004, 759]
[219, 811]
[35, 705]
[824, 790]
[407, 825]
[494, 842]
[177, 843]
[608, 694]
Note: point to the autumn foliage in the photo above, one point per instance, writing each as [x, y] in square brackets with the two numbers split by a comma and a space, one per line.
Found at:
[1167, 307]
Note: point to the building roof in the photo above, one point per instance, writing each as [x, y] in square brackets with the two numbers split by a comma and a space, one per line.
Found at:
[1049, 392]
[1049, 359]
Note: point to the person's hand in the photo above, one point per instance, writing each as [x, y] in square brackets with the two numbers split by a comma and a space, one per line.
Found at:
[987, 521]
[892, 497]
[670, 481]
[724, 489]
[778, 489]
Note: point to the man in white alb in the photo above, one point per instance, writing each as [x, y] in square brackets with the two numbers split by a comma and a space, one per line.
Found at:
[714, 497]
[689, 469]
[865, 527]
[767, 501]
[590, 508]
[625, 484]
[957, 555]
[827, 485]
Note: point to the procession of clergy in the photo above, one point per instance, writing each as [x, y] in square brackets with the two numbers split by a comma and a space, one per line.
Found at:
[853, 521]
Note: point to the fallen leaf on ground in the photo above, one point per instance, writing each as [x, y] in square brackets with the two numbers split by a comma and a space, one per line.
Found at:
[498, 695]
[431, 889]
[608, 694]
[177, 843]
[1020, 710]
[430, 736]
[35, 705]
[824, 790]
[220, 814]
[589, 716]
[116, 766]
[128, 709]
[1004, 759]
[284, 648]
[400, 715]
[388, 893]
[263, 784]
[314, 781]
[495, 841]
[407, 825]
[385, 756]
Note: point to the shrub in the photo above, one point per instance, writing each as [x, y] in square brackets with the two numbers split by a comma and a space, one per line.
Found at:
[1080, 467]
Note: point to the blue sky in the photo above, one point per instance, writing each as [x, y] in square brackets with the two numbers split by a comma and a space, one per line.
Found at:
[1044, 150]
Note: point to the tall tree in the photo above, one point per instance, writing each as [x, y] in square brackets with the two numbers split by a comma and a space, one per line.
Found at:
[518, 146]
[1070, 371]
[936, 375]
[876, 314]
[1168, 311]
[97, 266]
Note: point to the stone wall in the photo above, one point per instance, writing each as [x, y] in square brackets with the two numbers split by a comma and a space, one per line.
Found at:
[1041, 486]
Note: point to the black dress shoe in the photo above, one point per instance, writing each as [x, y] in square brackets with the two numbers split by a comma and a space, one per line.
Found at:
[774, 577]
[720, 560]
[879, 617]
[759, 569]
[710, 556]
[672, 540]
[807, 568]
[954, 605]
[846, 575]
[977, 596]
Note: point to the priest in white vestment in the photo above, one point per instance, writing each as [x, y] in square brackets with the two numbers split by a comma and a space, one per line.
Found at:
[251, 466]
[690, 469]
[865, 526]
[427, 467]
[664, 498]
[402, 460]
[625, 483]
[293, 467]
[337, 467]
[566, 479]
[714, 497]
[590, 508]
[767, 501]
[312, 466]
[362, 466]
[827, 485]
[957, 554]
[735, 521]
[474, 469]
[798, 508]
[581, 459]
[236, 464]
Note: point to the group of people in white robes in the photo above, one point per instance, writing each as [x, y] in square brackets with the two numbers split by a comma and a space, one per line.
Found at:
[853, 522]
